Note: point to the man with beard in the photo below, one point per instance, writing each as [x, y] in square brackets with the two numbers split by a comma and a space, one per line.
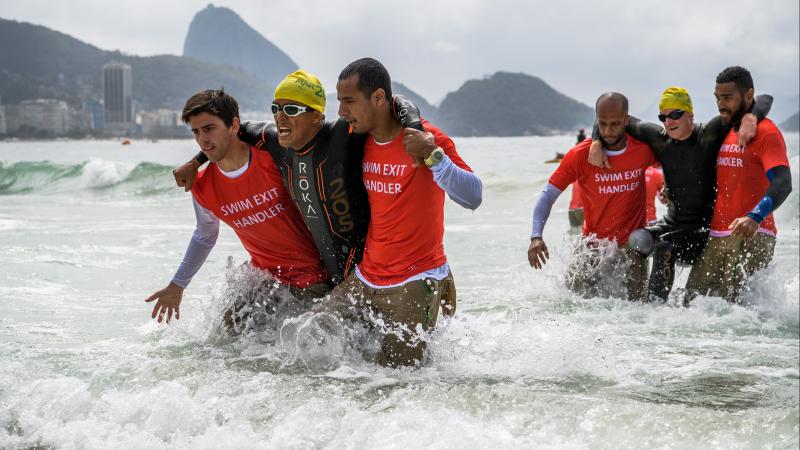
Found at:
[687, 152]
[752, 182]
[614, 204]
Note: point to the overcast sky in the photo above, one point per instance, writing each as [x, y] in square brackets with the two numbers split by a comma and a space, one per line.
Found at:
[581, 48]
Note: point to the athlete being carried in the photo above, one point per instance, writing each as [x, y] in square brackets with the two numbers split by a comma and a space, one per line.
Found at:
[321, 166]
[687, 153]
[320, 162]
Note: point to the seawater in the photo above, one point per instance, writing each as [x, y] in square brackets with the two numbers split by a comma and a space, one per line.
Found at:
[88, 229]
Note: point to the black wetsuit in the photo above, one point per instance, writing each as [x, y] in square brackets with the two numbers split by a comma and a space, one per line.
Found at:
[690, 180]
[324, 179]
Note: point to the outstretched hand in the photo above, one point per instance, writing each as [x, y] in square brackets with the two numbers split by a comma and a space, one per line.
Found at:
[185, 174]
[598, 157]
[168, 302]
[537, 253]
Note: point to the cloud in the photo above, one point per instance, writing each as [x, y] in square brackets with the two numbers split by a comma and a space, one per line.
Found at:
[444, 47]
[580, 48]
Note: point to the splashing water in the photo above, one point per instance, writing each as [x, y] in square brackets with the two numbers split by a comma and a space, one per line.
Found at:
[525, 363]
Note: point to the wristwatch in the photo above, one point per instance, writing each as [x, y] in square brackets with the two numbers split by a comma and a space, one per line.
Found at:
[436, 156]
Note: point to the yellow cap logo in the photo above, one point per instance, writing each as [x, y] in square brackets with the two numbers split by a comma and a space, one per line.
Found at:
[304, 88]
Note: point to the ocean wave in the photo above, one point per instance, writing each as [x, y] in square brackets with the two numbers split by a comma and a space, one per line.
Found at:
[27, 177]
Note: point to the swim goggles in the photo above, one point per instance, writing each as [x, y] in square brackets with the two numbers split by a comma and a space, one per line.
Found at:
[290, 110]
[674, 115]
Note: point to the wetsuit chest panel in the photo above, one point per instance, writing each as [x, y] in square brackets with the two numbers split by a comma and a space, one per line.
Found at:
[690, 181]
[325, 183]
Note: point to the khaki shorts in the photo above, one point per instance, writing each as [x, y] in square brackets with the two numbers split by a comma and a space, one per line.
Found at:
[726, 263]
[402, 314]
[268, 304]
[575, 218]
[607, 273]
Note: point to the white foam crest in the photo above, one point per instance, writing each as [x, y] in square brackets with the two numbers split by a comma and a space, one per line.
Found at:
[62, 412]
[101, 173]
[507, 344]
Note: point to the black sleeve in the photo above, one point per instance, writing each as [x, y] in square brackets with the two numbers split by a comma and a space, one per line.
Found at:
[406, 112]
[716, 129]
[762, 106]
[201, 158]
[649, 133]
[251, 132]
[780, 186]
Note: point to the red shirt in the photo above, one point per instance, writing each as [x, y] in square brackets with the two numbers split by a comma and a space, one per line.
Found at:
[741, 176]
[654, 181]
[575, 199]
[613, 199]
[406, 211]
[258, 208]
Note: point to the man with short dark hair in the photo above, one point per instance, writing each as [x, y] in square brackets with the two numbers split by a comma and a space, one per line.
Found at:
[613, 202]
[752, 182]
[404, 277]
[244, 189]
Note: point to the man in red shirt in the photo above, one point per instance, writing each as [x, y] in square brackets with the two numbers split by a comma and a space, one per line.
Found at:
[752, 181]
[613, 202]
[403, 278]
[244, 189]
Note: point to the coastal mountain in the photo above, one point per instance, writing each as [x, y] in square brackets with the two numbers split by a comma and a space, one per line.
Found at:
[792, 123]
[510, 104]
[43, 63]
[426, 110]
[219, 35]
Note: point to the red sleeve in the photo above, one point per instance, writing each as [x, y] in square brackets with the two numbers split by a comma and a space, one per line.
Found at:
[656, 177]
[569, 168]
[772, 150]
[442, 140]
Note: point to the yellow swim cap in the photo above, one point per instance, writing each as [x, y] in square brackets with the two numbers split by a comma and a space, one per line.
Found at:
[675, 98]
[302, 87]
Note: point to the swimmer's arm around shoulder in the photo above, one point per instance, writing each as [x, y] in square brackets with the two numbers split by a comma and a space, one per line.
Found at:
[650, 133]
[749, 125]
[253, 133]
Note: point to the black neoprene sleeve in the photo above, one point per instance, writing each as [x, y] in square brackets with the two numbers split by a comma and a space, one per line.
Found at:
[780, 186]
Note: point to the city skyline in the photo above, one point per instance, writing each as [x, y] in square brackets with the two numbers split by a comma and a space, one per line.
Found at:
[433, 47]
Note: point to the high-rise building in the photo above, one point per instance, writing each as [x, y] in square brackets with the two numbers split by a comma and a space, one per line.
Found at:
[118, 95]
[41, 114]
[95, 110]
